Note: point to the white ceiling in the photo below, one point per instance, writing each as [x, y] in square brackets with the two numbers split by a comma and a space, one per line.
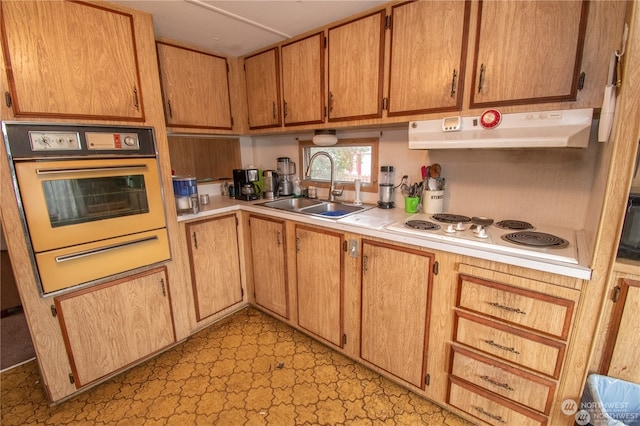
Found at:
[235, 28]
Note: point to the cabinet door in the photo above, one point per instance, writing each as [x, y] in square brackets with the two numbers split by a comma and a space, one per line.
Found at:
[195, 88]
[268, 248]
[396, 295]
[215, 264]
[528, 52]
[356, 57]
[303, 80]
[110, 326]
[428, 51]
[68, 59]
[621, 356]
[319, 262]
[262, 75]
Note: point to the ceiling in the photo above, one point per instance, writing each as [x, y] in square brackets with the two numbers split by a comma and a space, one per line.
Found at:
[235, 28]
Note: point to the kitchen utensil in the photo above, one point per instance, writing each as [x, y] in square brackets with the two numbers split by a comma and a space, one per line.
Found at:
[271, 183]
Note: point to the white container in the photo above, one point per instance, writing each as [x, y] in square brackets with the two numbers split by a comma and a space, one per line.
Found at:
[433, 202]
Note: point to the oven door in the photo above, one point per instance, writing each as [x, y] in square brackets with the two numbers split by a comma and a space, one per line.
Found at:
[73, 202]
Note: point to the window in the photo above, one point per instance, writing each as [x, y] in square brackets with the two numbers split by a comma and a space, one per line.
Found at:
[352, 158]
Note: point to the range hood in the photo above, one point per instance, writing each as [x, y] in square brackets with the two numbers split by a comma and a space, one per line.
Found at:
[543, 129]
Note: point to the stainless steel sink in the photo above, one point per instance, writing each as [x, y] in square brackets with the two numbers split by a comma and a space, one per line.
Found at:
[291, 204]
[328, 209]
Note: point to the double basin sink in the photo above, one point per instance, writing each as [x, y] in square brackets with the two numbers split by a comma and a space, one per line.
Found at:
[328, 209]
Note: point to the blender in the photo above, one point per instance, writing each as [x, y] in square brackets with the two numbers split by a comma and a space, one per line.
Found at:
[286, 169]
[385, 187]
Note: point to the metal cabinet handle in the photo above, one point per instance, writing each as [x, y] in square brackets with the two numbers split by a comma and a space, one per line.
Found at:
[330, 102]
[88, 169]
[273, 107]
[365, 263]
[507, 308]
[195, 240]
[454, 81]
[499, 346]
[100, 250]
[496, 383]
[136, 102]
[164, 290]
[284, 108]
[297, 244]
[170, 110]
[481, 79]
[486, 413]
[278, 238]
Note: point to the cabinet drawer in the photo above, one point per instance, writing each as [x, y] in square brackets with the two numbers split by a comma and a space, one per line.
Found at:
[537, 311]
[490, 408]
[511, 383]
[528, 350]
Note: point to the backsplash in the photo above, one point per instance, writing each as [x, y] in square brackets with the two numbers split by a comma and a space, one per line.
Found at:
[542, 186]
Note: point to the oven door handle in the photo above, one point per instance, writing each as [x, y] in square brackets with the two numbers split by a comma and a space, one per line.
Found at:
[101, 250]
[89, 169]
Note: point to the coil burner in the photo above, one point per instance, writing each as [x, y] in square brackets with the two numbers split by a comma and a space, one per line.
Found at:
[516, 225]
[422, 225]
[535, 239]
[451, 218]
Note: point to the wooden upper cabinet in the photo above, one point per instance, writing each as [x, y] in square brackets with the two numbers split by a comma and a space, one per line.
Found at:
[528, 52]
[303, 80]
[71, 60]
[262, 74]
[195, 88]
[356, 59]
[428, 52]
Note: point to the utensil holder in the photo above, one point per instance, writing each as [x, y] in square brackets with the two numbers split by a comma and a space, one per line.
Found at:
[411, 204]
[433, 201]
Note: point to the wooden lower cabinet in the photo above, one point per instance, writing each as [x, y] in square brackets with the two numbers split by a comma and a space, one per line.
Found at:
[268, 249]
[488, 407]
[396, 296]
[215, 264]
[508, 347]
[320, 282]
[110, 326]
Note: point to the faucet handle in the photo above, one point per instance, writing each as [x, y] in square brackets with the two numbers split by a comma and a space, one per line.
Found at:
[338, 192]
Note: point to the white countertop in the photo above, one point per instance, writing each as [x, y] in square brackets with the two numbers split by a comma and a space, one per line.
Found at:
[372, 223]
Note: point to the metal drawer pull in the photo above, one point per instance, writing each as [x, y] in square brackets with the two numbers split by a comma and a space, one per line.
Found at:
[507, 308]
[89, 169]
[100, 250]
[504, 348]
[493, 416]
[496, 383]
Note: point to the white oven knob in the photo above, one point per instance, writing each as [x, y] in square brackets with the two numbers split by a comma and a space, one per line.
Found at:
[482, 233]
[459, 227]
[450, 229]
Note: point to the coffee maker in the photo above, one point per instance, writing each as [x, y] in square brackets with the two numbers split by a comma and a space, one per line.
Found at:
[286, 171]
[244, 183]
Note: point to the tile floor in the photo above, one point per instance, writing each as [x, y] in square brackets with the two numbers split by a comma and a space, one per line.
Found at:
[248, 369]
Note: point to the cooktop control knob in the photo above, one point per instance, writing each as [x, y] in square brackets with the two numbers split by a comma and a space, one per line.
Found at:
[450, 229]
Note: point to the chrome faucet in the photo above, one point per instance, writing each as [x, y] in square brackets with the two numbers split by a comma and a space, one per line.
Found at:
[333, 192]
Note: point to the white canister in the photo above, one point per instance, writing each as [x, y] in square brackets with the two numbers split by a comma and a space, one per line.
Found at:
[433, 201]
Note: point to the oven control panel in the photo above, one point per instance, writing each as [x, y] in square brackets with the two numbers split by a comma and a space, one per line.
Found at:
[110, 141]
[50, 140]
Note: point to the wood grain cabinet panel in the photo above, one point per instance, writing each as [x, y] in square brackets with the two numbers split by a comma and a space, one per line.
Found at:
[215, 264]
[396, 296]
[506, 381]
[320, 282]
[110, 326]
[533, 310]
[268, 249]
[527, 52]
[428, 52]
[72, 60]
[195, 88]
[356, 58]
[525, 349]
[262, 78]
[490, 408]
[303, 80]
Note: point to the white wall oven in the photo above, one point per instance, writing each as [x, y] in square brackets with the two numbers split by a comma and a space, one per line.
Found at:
[90, 199]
